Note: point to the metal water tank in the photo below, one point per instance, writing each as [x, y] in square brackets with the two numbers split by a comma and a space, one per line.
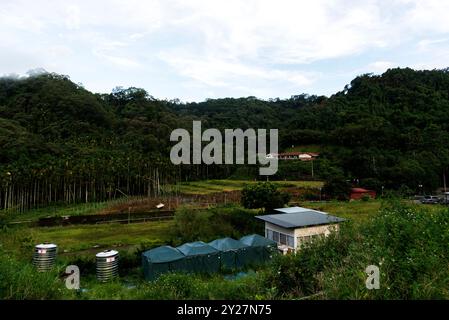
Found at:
[44, 256]
[107, 265]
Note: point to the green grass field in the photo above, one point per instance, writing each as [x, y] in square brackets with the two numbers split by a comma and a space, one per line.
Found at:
[357, 211]
[76, 238]
[211, 186]
[58, 211]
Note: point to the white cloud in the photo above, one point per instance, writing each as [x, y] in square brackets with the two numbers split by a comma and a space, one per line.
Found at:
[73, 17]
[220, 72]
[263, 46]
[380, 66]
[122, 62]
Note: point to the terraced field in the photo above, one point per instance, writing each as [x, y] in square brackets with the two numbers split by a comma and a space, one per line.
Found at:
[211, 186]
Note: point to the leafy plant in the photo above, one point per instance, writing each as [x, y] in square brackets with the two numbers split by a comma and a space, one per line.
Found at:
[263, 195]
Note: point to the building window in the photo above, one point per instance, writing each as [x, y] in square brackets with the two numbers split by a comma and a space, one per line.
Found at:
[269, 234]
[280, 237]
[283, 238]
[290, 241]
[276, 236]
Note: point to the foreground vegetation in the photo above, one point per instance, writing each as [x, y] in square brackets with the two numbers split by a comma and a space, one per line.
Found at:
[409, 243]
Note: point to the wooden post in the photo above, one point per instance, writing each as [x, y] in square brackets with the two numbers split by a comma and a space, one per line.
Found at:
[312, 168]
[444, 180]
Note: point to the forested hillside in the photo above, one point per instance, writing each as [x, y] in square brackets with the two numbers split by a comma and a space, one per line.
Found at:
[60, 142]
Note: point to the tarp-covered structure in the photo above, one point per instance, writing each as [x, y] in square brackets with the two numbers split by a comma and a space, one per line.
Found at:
[233, 252]
[161, 260]
[260, 248]
[201, 257]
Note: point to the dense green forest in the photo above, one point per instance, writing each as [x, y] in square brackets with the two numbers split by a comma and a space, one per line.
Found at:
[60, 142]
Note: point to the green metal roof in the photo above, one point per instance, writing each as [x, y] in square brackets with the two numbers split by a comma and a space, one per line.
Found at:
[257, 240]
[226, 244]
[196, 248]
[163, 254]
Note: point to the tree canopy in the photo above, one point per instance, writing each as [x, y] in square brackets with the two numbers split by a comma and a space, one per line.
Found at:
[60, 142]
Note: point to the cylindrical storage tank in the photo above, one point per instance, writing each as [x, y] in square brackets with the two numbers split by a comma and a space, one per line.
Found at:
[107, 265]
[44, 256]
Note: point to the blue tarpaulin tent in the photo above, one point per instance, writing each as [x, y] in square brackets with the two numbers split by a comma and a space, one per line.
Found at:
[201, 257]
[261, 249]
[161, 260]
[233, 252]
[225, 253]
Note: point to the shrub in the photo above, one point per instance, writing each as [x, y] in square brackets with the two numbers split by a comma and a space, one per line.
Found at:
[263, 195]
[20, 280]
[409, 245]
[365, 197]
[337, 188]
[310, 195]
[210, 224]
[371, 184]
[298, 275]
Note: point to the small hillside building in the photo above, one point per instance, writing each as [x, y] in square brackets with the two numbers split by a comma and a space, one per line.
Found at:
[302, 156]
[291, 227]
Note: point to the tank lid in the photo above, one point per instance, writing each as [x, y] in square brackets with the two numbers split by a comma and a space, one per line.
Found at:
[46, 246]
[106, 253]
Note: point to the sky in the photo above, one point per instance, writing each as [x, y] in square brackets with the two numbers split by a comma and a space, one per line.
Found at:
[198, 49]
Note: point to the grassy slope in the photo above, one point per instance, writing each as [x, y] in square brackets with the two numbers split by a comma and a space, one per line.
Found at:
[357, 211]
[59, 210]
[191, 188]
[211, 186]
[84, 237]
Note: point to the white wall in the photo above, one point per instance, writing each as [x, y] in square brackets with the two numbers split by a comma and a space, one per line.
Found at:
[315, 230]
[290, 232]
[302, 232]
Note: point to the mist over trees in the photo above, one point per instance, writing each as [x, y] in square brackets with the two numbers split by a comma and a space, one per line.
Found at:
[60, 142]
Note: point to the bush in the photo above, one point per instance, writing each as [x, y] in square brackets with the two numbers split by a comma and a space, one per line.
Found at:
[337, 188]
[299, 275]
[371, 184]
[405, 191]
[178, 286]
[20, 281]
[365, 197]
[210, 224]
[409, 245]
[263, 195]
[310, 195]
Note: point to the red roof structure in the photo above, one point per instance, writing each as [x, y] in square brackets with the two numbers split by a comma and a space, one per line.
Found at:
[359, 193]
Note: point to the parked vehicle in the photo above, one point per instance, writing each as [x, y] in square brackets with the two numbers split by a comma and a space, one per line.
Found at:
[445, 199]
[430, 200]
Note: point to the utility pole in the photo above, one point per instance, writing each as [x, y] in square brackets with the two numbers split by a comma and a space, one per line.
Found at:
[444, 181]
[312, 168]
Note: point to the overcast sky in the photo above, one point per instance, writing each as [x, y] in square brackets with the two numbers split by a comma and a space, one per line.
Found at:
[197, 49]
